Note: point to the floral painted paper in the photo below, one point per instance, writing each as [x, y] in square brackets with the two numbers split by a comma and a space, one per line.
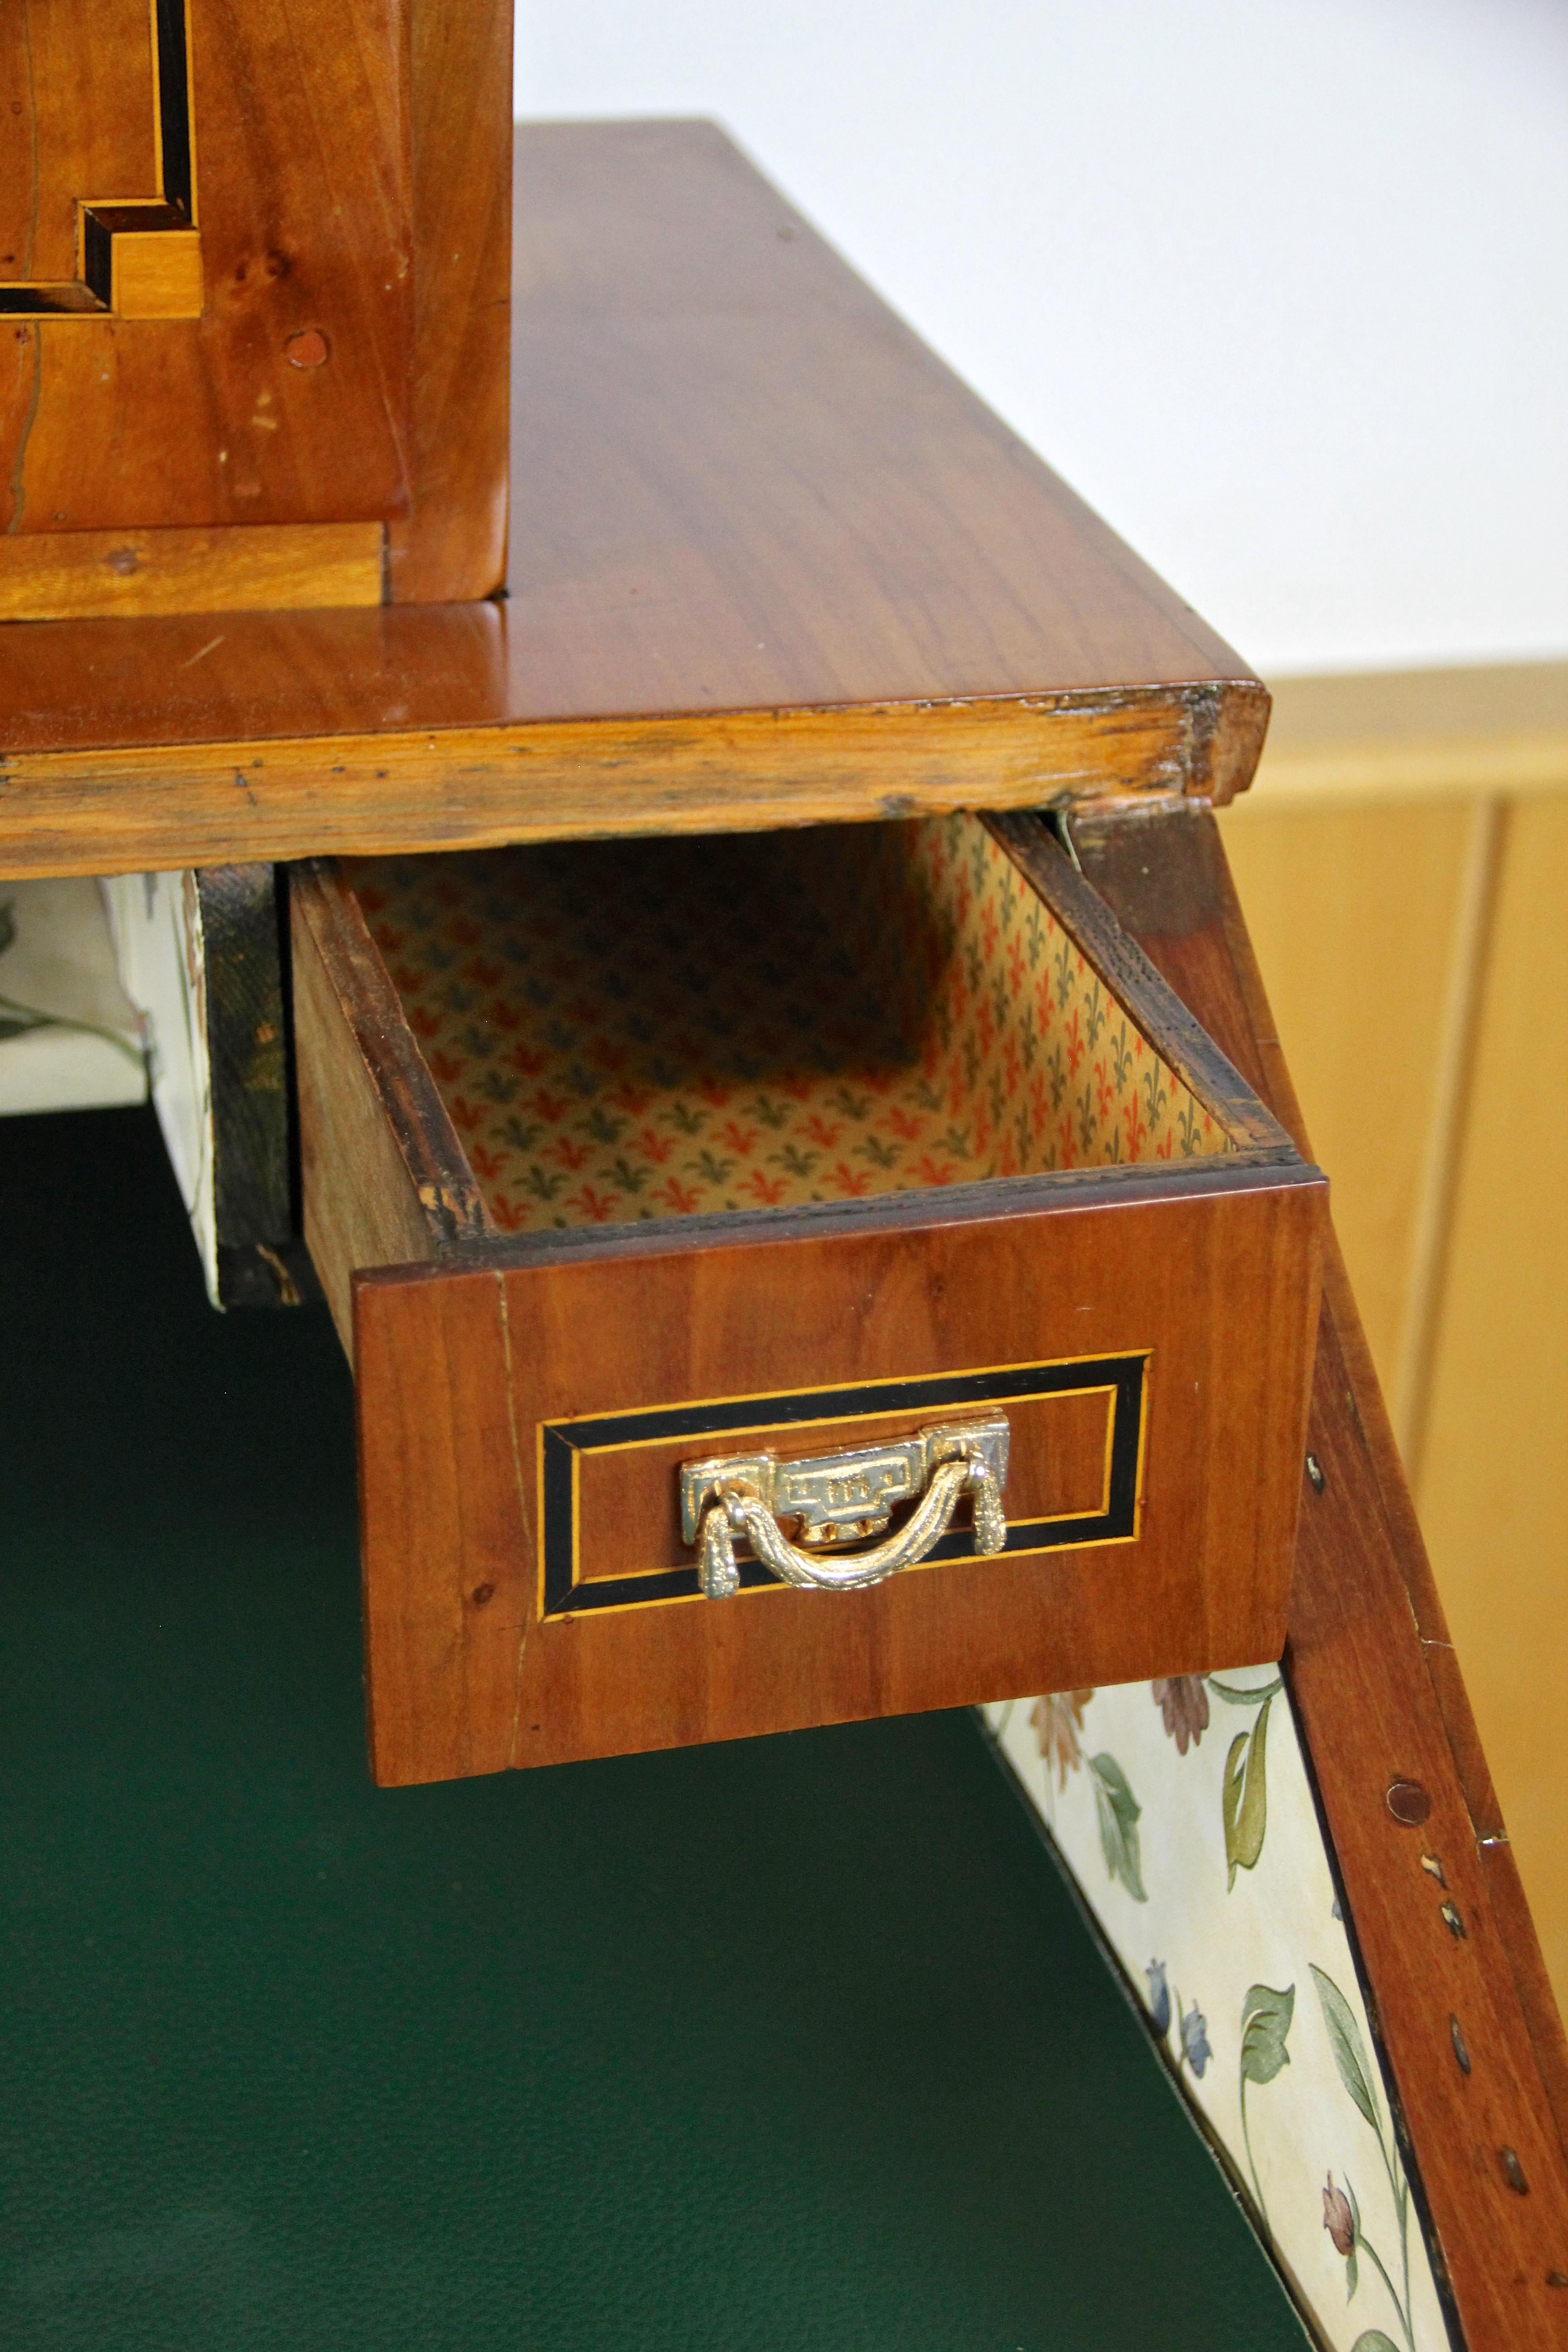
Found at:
[628, 1030]
[1183, 1811]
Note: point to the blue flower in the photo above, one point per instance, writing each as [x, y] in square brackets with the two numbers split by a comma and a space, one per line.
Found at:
[1159, 1998]
[1195, 2041]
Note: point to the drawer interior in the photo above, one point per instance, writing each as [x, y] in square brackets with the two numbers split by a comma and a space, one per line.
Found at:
[631, 1030]
[617, 1157]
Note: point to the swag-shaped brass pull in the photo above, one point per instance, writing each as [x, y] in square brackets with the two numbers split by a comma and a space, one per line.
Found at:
[841, 1498]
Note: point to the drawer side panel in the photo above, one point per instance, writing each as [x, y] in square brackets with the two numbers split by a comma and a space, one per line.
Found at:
[360, 1201]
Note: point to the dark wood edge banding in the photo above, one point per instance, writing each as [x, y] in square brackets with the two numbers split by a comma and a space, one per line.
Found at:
[1127, 973]
[242, 955]
[916, 1211]
[262, 1260]
[449, 1194]
[1229, 723]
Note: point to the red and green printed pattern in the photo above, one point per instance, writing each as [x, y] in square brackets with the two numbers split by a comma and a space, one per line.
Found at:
[652, 1029]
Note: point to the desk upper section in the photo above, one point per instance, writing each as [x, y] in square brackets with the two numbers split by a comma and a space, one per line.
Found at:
[771, 563]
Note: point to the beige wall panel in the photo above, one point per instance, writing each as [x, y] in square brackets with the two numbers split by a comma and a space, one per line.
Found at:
[1353, 913]
[1493, 1496]
[1419, 735]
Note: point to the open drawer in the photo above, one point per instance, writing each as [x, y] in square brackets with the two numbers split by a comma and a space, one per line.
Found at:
[870, 1170]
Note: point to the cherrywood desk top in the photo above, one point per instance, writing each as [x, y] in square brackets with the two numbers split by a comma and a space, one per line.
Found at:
[771, 563]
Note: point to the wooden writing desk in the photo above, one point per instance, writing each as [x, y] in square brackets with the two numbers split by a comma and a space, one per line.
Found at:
[771, 566]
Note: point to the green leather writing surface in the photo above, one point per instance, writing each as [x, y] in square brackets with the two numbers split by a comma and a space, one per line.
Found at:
[793, 2044]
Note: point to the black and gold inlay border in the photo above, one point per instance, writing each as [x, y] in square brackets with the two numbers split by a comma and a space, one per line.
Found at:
[92, 294]
[564, 1443]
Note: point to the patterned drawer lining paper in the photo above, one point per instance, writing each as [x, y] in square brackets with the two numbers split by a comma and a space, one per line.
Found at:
[641, 1029]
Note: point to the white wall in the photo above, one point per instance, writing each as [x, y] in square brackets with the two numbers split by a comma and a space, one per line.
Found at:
[1281, 286]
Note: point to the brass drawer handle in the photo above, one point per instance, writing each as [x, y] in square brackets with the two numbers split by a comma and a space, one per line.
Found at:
[840, 1498]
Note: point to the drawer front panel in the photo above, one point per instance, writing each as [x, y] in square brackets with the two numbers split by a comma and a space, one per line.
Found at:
[529, 1599]
[610, 1534]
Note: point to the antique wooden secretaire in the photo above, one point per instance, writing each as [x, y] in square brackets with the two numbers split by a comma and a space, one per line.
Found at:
[665, 865]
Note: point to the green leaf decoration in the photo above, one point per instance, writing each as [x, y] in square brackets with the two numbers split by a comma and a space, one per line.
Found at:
[1374, 2340]
[1118, 1808]
[1243, 1796]
[1265, 2021]
[7, 923]
[1352, 2275]
[13, 1028]
[1344, 2040]
[1235, 1696]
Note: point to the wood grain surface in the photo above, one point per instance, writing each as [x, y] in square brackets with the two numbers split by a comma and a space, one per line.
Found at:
[302, 197]
[382, 1172]
[156, 273]
[1036, 850]
[770, 561]
[472, 787]
[76, 93]
[1379, 1697]
[1493, 1480]
[1214, 1287]
[98, 574]
[1208, 1268]
[452, 541]
[261, 1259]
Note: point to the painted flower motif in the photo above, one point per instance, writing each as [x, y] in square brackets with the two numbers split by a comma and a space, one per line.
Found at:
[1338, 2218]
[1056, 1719]
[1184, 1705]
[1159, 1998]
[1195, 2041]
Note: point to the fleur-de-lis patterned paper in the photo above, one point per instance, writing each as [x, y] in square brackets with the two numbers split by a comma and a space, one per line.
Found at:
[651, 1029]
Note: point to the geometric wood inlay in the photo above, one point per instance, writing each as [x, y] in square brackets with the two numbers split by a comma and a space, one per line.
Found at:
[136, 257]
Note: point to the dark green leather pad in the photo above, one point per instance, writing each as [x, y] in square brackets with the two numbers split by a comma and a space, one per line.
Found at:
[797, 2042]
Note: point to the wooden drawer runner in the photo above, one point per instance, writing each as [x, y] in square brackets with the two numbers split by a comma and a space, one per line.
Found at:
[621, 1157]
